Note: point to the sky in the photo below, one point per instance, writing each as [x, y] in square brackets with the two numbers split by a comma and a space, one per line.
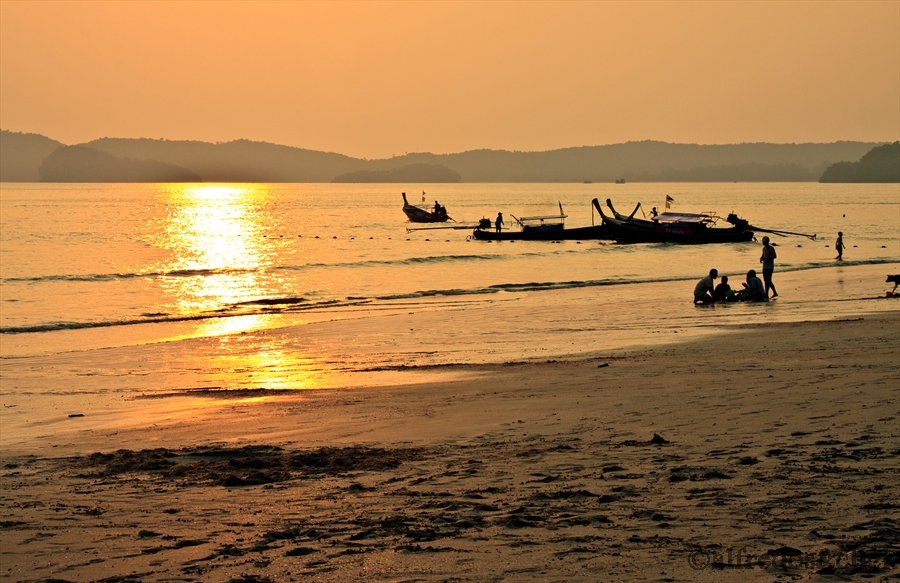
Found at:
[377, 79]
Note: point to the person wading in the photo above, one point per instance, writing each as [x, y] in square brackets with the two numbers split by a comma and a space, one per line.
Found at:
[768, 266]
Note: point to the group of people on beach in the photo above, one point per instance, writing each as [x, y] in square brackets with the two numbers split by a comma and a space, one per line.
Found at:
[707, 292]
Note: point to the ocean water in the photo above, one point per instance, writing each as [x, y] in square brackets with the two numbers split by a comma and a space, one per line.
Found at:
[142, 288]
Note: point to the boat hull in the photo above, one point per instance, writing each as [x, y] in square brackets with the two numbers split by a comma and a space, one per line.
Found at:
[419, 215]
[632, 230]
[536, 234]
[625, 232]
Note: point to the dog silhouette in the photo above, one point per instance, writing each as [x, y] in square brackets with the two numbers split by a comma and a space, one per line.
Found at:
[895, 279]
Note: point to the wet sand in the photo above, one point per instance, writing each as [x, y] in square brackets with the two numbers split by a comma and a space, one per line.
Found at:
[766, 453]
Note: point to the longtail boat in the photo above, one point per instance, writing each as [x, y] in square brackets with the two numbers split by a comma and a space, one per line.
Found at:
[417, 214]
[684, 228]
[540, 228]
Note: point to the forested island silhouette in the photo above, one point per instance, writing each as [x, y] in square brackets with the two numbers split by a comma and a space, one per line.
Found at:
[880, 164]
[28, 157]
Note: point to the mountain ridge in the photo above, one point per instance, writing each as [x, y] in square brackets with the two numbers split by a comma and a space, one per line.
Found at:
[646, 160]
[880, 164]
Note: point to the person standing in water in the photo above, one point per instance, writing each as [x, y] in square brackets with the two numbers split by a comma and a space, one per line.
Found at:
[768, 266]
[839, 245]
[498, 224]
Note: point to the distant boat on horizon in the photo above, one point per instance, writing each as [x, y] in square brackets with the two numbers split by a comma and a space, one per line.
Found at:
[620, 181]
[588, 181]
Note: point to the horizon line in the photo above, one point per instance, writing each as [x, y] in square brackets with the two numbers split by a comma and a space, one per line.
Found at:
[485, 149]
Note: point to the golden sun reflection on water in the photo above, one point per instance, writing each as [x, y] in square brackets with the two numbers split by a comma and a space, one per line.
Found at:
[216, 235]
[218, 255]
[231, 325]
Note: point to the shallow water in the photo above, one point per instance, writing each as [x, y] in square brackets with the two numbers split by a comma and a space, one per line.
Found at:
[320, 280]
[113, 294]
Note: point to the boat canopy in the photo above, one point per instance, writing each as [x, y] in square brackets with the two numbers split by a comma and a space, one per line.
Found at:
[684, 218]
[544, 218]
[559, 218]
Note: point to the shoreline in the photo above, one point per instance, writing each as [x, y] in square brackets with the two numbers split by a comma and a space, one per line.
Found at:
[777, 440]
[812, 288]
[92, 418]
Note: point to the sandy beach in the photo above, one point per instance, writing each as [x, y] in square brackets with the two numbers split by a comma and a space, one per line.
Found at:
[415, 292]
[767, 452]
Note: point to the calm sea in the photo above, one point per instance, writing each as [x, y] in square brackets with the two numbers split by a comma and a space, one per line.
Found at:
[324, 277]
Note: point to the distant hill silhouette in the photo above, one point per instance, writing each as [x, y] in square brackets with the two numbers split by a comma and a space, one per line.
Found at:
[237, 161]
[650, 161]
[248, 161]
[405, 174]
[647, 161]
[750, 172]
[22, 154]
[880, 164]
[81, 164]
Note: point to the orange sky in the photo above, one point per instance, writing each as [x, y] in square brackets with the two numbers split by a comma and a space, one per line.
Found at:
[377, 79]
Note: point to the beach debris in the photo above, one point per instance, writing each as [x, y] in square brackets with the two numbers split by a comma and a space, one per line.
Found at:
[250, 579]
[254, 479]
[148, 534]
[605, 364]
[245, 466]
[76, 415]
[657, 439]
[696, 474]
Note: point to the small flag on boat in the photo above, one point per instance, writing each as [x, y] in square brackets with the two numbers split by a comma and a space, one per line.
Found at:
[669, 201]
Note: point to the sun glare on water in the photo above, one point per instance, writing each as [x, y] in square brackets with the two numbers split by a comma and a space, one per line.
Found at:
[218, 255]
[216, 232]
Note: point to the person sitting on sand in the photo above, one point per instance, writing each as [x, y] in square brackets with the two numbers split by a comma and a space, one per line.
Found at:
[723, 292]
[705, 288]
[753, 290]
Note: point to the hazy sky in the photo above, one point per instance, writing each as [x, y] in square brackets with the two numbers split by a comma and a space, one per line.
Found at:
[375, 79]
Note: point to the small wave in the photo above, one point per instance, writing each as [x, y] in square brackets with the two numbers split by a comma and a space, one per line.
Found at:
[101, 277]
[291, 305]
[448, 259]
[294, 304]
[519, 287]
[205, 272]
[57, 326]
[437, 293]
[842, 263]
[390, 262]
[272, 302]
